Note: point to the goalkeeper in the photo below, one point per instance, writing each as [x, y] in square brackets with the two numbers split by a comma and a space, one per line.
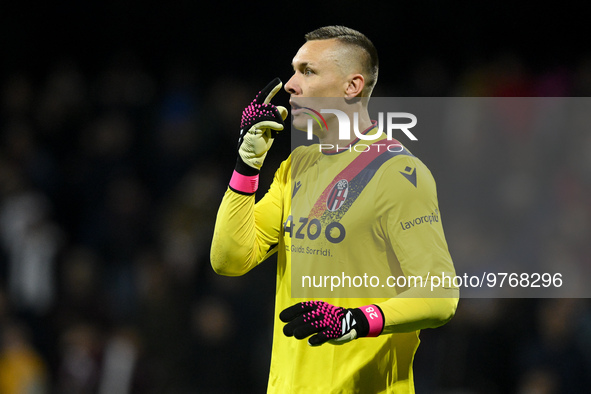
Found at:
[340, 344]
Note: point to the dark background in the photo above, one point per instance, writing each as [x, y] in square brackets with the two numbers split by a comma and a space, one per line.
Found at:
[118, 121]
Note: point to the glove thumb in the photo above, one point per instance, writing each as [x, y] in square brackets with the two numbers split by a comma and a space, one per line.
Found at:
[282, 111]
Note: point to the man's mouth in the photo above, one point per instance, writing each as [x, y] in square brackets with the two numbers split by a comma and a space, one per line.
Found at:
[295, 107]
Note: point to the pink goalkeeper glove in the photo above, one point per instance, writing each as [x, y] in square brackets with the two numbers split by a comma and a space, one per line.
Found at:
[331, 323]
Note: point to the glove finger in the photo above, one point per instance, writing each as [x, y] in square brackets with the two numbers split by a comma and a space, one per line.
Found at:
[269, 124]
[256, 113]
[269, 91]
[273, 87]
[318, 339]
[306, 329]
[290, 328]
[301, 327]
[290, 313]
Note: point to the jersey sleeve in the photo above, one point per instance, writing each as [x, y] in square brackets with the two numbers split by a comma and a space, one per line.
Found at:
[413, 226]
[246, 233]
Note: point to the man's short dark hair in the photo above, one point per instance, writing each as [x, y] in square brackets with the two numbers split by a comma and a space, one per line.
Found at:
[350, 36]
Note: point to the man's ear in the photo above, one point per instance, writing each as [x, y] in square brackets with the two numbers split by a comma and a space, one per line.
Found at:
[355, 86]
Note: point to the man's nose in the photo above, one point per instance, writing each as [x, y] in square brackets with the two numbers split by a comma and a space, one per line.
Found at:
[291, 86]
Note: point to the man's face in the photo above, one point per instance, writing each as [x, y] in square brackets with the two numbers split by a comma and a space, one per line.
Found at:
[319, 71]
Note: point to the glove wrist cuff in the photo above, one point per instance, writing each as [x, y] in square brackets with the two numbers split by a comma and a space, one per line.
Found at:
[374, 321]
[244, 169]
[244, 184]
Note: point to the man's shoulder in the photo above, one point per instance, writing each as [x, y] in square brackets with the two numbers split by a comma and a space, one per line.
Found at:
[405, 174]
[304, 155]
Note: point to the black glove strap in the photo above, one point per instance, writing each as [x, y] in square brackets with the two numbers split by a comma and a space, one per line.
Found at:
[362, 326]
[244, 169]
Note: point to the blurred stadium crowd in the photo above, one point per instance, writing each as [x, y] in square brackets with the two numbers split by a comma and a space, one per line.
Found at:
[109, 186]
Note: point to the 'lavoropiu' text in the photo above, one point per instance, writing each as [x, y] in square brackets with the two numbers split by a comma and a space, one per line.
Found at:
[434, 217]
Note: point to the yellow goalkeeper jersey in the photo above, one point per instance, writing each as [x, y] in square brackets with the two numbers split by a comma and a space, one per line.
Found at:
[347, 226]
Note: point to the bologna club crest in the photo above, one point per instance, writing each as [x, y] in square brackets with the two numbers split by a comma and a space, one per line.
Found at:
[337, 195]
